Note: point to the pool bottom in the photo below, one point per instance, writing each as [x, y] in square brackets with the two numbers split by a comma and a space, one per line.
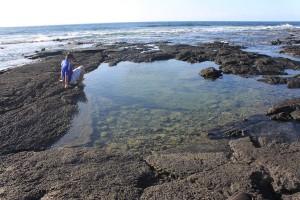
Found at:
[164, 106]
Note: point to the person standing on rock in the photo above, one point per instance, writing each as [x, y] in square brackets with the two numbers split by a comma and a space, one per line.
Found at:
[67, 69]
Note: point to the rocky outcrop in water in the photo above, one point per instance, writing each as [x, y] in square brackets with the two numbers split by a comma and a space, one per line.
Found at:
[211, 73]
[291, 82]
[290, 44]
[285, 111]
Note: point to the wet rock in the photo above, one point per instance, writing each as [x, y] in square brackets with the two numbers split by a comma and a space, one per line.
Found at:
[73, 174]
[291, 49]
[43, 54]
[276, 42]
[295, 115]
[211, 73]
[281, 117]
[235, 133]
[257, 125]
[293, 83]
[274, 80]
[269, 66]
[282, 111]
[58, 40]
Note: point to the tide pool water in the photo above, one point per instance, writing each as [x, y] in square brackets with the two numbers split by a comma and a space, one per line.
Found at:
[162, 105]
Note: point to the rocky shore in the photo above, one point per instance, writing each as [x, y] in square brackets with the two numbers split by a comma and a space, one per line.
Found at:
[261, 161]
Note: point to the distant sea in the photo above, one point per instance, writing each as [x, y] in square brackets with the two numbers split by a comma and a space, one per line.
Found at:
[255, 36]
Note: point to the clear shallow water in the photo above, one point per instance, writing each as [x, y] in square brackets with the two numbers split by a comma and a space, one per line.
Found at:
[25, 40]
[161, 105]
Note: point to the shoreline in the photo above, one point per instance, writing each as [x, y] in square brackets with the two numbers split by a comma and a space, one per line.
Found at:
[36, 111]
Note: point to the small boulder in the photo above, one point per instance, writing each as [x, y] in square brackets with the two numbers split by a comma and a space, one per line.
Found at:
[211, 73]
[296, 115]
[282, 117]
[294, 83]
[276, 42]
[274, 80]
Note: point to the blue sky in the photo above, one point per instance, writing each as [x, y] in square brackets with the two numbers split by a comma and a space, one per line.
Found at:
[44, 12]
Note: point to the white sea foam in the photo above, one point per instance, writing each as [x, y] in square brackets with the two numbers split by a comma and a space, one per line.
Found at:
[17, 44]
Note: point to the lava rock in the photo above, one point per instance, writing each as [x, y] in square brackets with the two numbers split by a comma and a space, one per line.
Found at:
[283, 111]
[276, 42]
[274, 80]
[211, 73]
[293, 83]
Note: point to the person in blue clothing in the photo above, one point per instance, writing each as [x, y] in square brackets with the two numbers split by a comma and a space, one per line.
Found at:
[67, 66]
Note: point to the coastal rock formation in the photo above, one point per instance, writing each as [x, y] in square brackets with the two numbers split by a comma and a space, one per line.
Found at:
[290, 44]
[254, 169]
[73, 174]
[258, 171]
[35, 109]
[258, 126]
[293, 83]
[279, 161]
[182, 165]
[274, 80]
[211, 73]
[285, 111]
[31, 95]
[291, 49]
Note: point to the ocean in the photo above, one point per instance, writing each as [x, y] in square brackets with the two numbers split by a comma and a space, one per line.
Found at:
[254, 36]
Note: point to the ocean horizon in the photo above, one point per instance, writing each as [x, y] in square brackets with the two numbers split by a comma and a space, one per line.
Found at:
[15, 42]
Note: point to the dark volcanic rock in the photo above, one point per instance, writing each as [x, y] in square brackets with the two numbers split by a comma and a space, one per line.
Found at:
[276, 42]
[35, 108]
[43, 54]
[291, 49]
[257, 125]
[182, 165]
[295, 115]
[72, 174]
[283, 111]
[280, 160]
[293, 83]
[211, 73]
[218, 183]
[274, 80]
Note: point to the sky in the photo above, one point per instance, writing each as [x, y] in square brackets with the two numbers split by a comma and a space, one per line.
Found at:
[51, 12]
